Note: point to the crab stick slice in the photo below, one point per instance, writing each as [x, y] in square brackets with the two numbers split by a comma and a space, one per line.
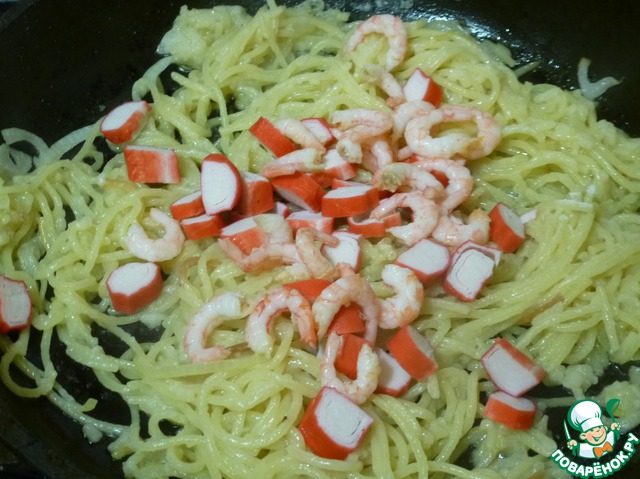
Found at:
[517, 413]
[188, 206]
[281, 208]
[272, 138]
[147, 164]
[413, 351]
[510, 369]
[124, 122]
[471, 268]
[335, 168]
[220, 184]
[202, 226]
[394, 380]
[348, 320]
[257, 195]
[421, 86]
[245, 234]
[349, 201]
[347, 251]
[507, 229]
[428, 259]
[134, 286]
[309, 288]
[301, 190]
[15, 305]
[373, 228]
[347, 357]
[302, 219]
[333, 426]
[321, 129]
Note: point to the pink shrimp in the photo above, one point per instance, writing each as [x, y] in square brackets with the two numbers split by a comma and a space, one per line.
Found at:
[377, 154]
[425, 215]
[276, 302]
[160, 249]
[404, 306]
[368, 369]
[452, 231]
[407, 112]
[391, 27]
[359, 125]
[227, 306]
[307, 160]
[343, 291]
[459, 176]
[297, 132]
[387, 82]
[317, 264]
[403, 176]
[263, 258]
[420, 141]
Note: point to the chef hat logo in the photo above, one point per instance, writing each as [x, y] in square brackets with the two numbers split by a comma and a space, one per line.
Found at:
[585, 415]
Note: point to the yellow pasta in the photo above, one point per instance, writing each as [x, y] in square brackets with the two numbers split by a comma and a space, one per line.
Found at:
[569, 296]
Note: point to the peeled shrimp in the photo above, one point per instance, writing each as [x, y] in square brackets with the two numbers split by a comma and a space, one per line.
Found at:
[459, 176]
[160, 249]
[404, 307]
[451, 231]
[377, 154]
[317, 264]
[272, 304]
[387, 82]
[298, 133]
[359, 125]
[212, 314]
[400, 176]
[388, 25]
[368, 368]
[420, 141]
[263, 258]
[425, 215]
[407, 112]
[342, 292]
[307, 160]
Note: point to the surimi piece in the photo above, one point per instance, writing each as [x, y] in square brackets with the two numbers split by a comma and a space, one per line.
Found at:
[347, 358]
[421, 86]
[188, 206]
[245, 234]
[394, 380]
[300, 189]
[147, 164]
[510, 369]
[349, 201]
[309, 288]
[304, 218]
[321, 129]
[15, 305]
[202, 226]
[257, 195]
[134, 286]
[272, 138]
[124, 122]
[507, 229]
[471, 268]
[373, 228]
[347, 251]
[220, 184]
[427, 259]
[348, 320]
[281, 208]
[413, 351]
[517, 413]
[335, 167]
[333, 426]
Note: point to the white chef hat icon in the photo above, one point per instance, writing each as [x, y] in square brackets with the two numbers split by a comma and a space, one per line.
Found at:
[585, 415]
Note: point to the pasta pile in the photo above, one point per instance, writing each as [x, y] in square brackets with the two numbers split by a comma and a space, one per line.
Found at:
[569, 296]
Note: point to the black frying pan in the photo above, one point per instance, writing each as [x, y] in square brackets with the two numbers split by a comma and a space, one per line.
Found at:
[64, 63]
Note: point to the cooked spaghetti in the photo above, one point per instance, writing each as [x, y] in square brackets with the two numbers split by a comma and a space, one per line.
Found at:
[568, 297]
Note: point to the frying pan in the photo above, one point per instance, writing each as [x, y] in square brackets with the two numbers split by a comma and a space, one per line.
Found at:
[64, 63]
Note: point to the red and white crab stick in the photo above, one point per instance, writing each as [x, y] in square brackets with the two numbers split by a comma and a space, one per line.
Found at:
[321, 129]
[202, 226]
[421, 86]
[333, 426]
[15, 305]
[257, 195]
[148, 164]
[414, 352]
[517, 413]
[188, 206]
[347, 251]
[220, 184]
[301, 190]
[427, 259]
[394, 380]
[245, 234]
[349, 201]
[472, 266]
[134, 286]
[507, 229]
[272, 138]
[510, 369]
[124, 122]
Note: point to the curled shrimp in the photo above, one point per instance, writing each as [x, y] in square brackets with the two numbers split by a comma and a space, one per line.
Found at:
[424, 211]
[387, 82]
[263, 258]
[212, 314]
[400, 176]
[160, 249]
[316, 263]
[377, 154]
[368, 369]
[391, 27]
[406, 112]
[307, 160]
[460, 180]
[420, 141]
[359, 125]
[404, 306]
[342, 292]
[276, 302]
[452, 231]
[298, 133]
